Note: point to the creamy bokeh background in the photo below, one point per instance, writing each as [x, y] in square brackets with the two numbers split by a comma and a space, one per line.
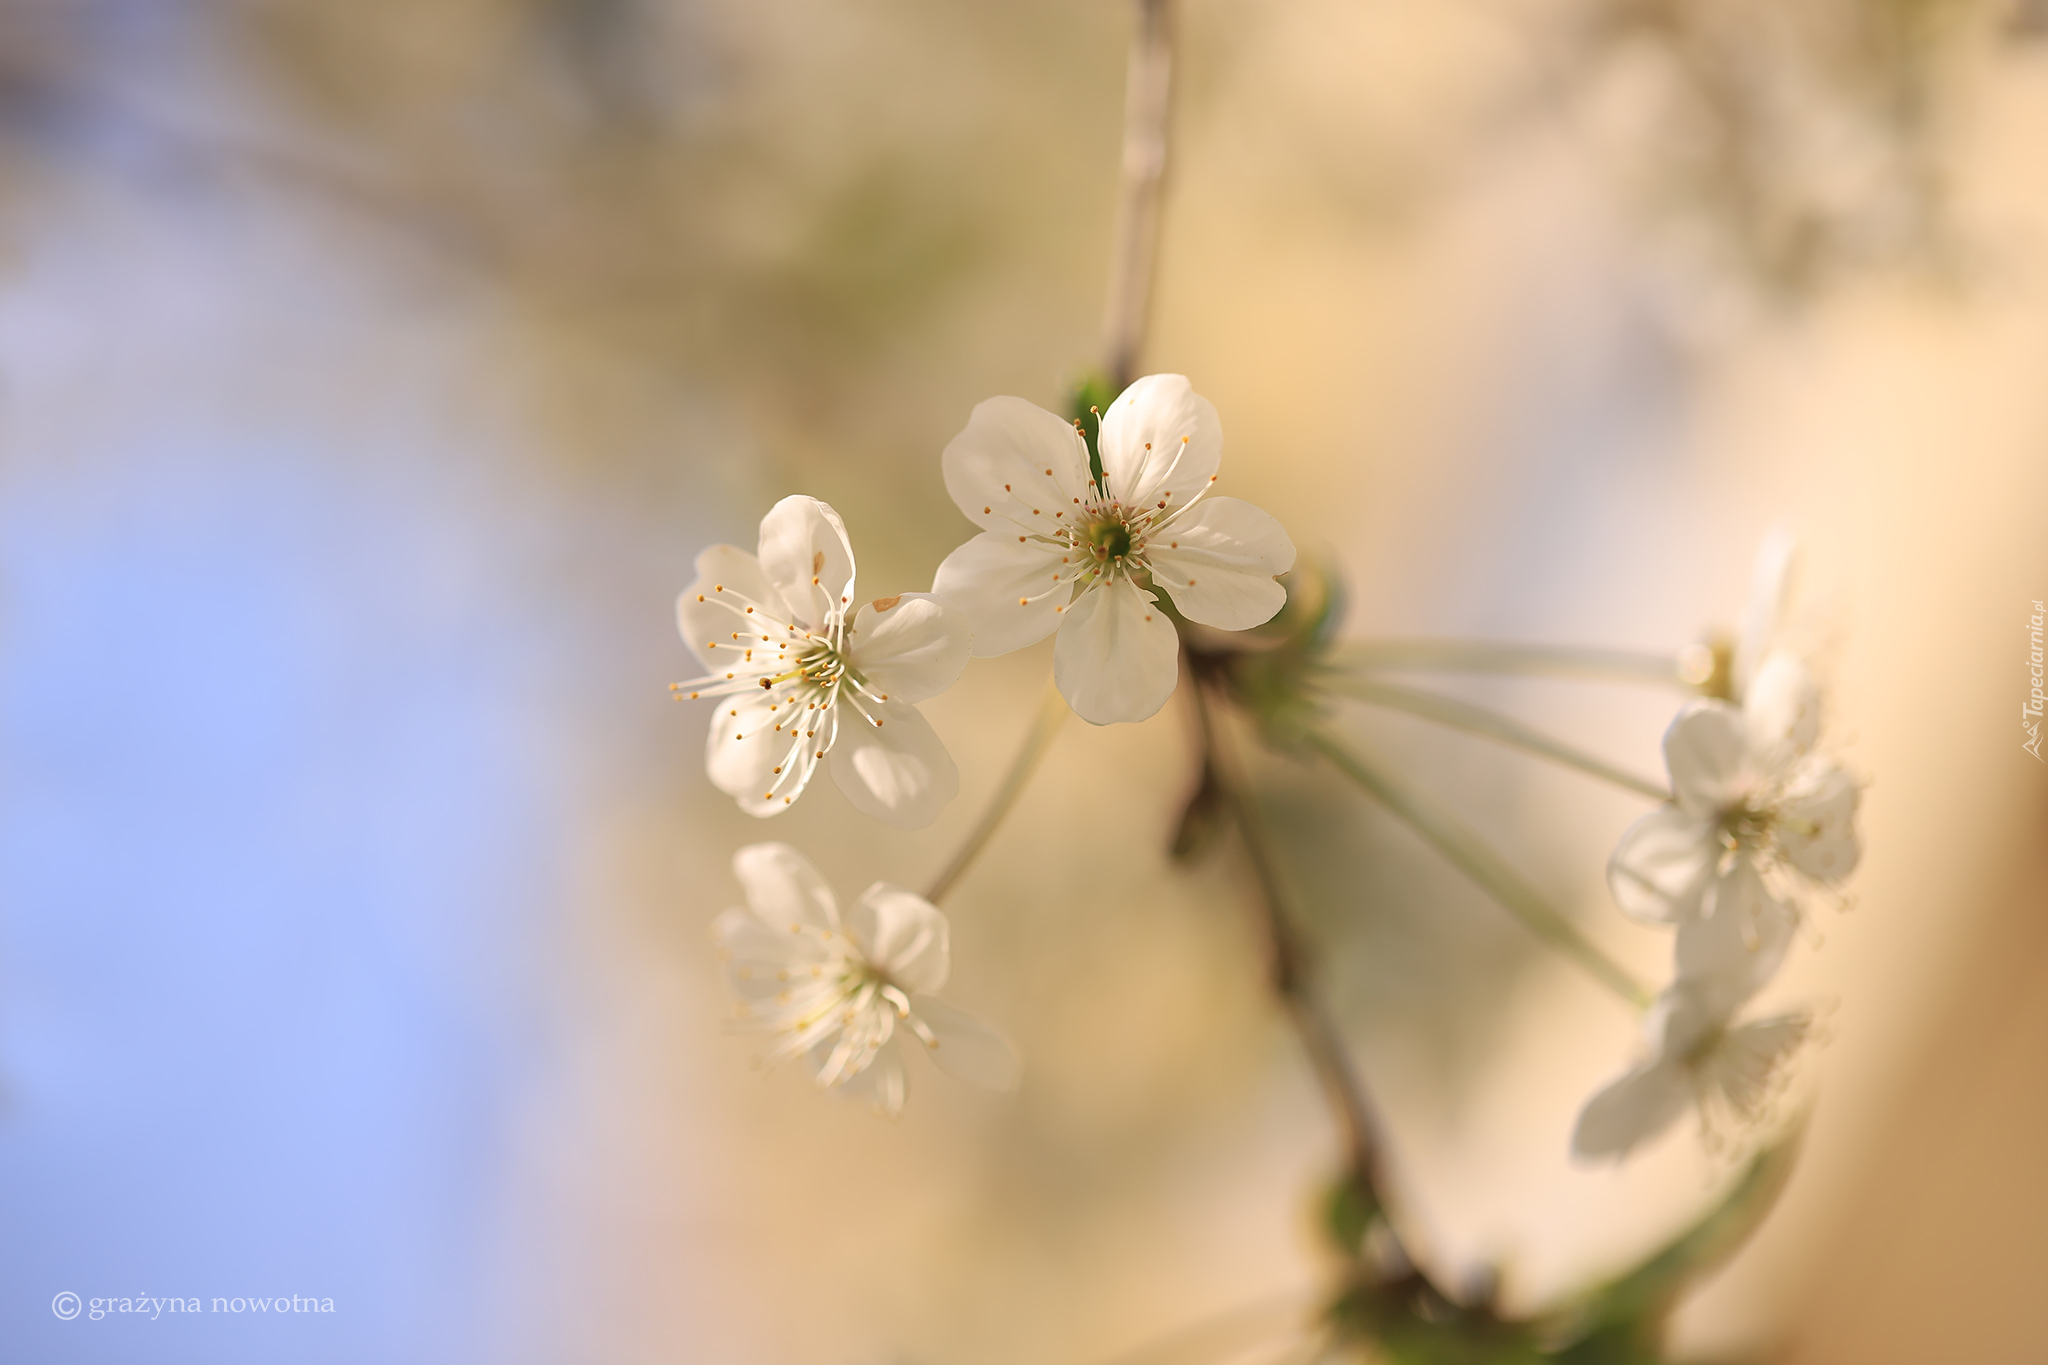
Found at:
[372, 374]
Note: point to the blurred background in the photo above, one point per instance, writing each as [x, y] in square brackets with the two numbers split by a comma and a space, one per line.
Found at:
[371, 374]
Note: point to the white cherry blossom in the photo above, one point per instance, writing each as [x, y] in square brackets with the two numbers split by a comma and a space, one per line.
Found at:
[843, 993]
[799, 672]
[1748, 790]
[1697, 1059]
[1059, 552]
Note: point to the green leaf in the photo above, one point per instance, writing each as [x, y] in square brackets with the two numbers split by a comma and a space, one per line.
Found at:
[1274, 671]
[1348, 1214]
[1622, 1323]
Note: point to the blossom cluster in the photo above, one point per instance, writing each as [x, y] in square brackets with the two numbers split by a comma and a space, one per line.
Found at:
[1113, 550]
[803, 674]
[1759, 816]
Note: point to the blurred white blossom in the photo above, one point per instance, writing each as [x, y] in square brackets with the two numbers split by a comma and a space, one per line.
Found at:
[1748, 791]
[841, 994]
[1697, 1058]
[1059, 551]
[1727, 955]
[799, 672]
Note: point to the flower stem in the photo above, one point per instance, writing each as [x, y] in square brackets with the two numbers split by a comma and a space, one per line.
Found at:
[1320, 1038]
[1037, 740]
[1477, 720]
[1472, 856]
[1491, 656]
[1147, 108]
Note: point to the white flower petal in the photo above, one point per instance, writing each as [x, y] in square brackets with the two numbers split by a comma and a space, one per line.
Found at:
[1816, 825]
[1662, 866]
[1781, 713]
[783, 890]
[1160, 440]
[760, 963]
[806, 555]
[1631, 1111]
[1014, 466]
[1117, 657]
[748, 943]
[1744, 1068]
[898, 772]
[707, 626]
[910, 647]
[1680, 1018]
[1008, 592]
[902, 935]
[1706, 751]
[882, 1084]
[967, 1048]
[1219, 564]
[748, 759]
[789, 987]
[1729, 953]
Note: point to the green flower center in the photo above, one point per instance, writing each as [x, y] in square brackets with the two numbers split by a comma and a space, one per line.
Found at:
[1746, 825]
[1110, 537]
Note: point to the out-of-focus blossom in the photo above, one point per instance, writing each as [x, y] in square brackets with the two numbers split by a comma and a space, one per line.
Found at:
[800, 673]
[1748, 789]
[1697, 1058]
[1732, 950]
[1059, 551]
[842, 993]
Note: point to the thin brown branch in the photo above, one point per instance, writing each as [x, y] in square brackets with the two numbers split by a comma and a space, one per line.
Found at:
[1147, 112]
[1287, 962]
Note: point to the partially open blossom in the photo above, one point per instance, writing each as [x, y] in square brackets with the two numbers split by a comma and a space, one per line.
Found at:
[1697, 1059]
[1747, 788]
[1060, 552]
[1763, 616]
[1725, 667]
[799, 671]
[842, 994]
